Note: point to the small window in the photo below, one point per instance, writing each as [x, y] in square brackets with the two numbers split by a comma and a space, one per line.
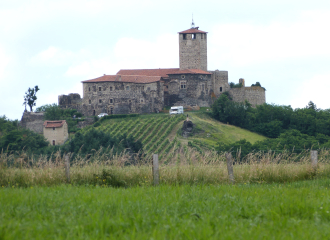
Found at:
[183, 85]
[141, 100]
[111, 100]
[220, 89]
[89, 101]
[142, 88]
[110, 88]
[130, 101]
[203, 87]
[148, 88]
[89, 89]
[184, 36]
[53, 142]
[193, 36]
[127, 88]
[100, 100]
[202, 36]
[111, 110]
[53, 129]
[100, 88]
[183, 76]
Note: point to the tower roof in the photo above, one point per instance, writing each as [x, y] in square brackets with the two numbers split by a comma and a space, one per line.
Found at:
[193, 30]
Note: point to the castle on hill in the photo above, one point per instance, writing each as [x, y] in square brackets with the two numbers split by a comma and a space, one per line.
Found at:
[150, 90]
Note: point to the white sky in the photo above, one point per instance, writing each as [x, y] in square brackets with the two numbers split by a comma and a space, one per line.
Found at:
[283, 44]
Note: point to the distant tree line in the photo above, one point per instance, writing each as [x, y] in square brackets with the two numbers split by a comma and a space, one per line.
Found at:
[286, 127]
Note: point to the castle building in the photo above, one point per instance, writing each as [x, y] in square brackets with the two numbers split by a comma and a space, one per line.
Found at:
[150, 90]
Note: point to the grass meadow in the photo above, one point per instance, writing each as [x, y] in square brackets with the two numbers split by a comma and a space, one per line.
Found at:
[298, 210]
[275, 196]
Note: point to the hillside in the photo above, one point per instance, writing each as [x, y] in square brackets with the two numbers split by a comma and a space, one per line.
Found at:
[160, 133]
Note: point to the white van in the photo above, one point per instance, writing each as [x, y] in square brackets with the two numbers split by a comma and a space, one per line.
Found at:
[176, 110]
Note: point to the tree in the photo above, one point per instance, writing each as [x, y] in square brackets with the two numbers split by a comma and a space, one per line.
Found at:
[30, 97]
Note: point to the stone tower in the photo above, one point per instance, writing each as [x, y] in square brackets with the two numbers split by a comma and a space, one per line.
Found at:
[193, 49]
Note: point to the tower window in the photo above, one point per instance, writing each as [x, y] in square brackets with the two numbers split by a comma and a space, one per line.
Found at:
[183, 76]
[100, 88]
[184, 36]
[89, 89]
[89, 101]
[100, 100]
[127, 88]
[111, 100]
[183, 85]
[193, 36]
[202, 36]
[203, 87]
[110, 88]
[220, 89]
[53, 129]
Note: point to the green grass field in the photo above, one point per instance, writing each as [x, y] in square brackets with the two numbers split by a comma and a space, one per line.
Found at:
[298, 210]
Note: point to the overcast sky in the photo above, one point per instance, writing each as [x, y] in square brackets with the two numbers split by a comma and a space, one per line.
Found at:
[283, 44]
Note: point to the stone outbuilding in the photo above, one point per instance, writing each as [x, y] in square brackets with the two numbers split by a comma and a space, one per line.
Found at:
[56, 132]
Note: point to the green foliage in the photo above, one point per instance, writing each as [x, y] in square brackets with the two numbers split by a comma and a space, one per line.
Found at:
[92, 140]
[15, 138]
[108, 178]
[291, 140]
[271, 120]
[237, 85]
[54, 112]
[30, 97]
[244, 211]
[114, 116]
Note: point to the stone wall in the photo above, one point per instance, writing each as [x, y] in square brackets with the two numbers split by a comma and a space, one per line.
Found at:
[197, 90]
[193, 52]
[33, 121]
[219, 82]
[72, 100]
[122, 98]
[255, 95]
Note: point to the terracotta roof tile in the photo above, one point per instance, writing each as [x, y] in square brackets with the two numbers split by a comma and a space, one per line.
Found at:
[163, 72]
[54, 124]
[191, 71]
[125, 78]
[192, 30]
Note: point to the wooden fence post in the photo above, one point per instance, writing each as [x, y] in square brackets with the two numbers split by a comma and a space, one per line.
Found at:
[67, 167]
[314, 159]
[230, 168]
[155, 169]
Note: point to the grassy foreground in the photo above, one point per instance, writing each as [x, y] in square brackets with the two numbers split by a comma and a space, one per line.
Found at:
[298, 210]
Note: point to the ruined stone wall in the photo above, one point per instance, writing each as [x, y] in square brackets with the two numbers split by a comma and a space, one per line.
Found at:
[193, 52]
[72, 100]
[197, 90]
[33, 121]
[122, 98]
[219, 82]
[255, 95]
[59, 135]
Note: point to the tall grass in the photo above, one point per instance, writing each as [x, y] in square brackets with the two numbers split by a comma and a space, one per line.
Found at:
[182, 166]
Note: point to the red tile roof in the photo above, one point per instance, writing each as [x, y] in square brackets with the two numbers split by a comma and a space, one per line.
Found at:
[54, 124]
[125, 78]
[163, 72]
[191, 71]
[193, 30]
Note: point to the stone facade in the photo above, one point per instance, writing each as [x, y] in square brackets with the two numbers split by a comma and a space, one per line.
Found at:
[193, 49]
[56, 132]
[150, 90]
[33, 121]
